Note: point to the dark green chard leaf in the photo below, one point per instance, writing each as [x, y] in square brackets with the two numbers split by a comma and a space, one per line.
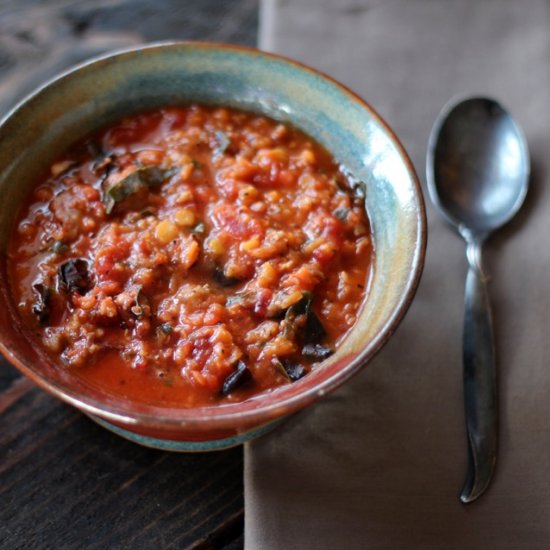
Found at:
[74, 276]
[312, 333]
[279, 367]
[316, 352]
[41, 308]
[299, 308]
[237, 378]
[105, 164]
[145, 177]
[294, 371]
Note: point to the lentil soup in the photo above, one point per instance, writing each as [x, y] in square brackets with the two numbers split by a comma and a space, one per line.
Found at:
[192, 255]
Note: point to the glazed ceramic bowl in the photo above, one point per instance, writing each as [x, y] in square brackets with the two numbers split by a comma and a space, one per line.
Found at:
[105, 89]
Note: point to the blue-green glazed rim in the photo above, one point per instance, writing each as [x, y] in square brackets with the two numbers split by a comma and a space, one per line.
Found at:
[106, 88]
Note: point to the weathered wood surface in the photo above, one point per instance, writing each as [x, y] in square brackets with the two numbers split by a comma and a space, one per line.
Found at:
[65, 482]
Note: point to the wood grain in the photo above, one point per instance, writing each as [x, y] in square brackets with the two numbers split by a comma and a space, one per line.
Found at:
[65, 482]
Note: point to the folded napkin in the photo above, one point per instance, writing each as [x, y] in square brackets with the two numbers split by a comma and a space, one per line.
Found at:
[380, 463]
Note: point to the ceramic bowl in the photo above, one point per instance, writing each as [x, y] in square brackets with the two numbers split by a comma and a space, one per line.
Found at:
[107, 88]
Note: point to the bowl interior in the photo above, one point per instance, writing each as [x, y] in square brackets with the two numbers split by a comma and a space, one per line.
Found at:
[94, 94]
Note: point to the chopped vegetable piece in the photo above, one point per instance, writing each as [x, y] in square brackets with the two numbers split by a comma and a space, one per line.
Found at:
[294, 370]
[314, 331]
[316, 352]
[185, 217]
[239, 377]
[279, 367]
[217, 247]
[166, 231]
[143, 177]
[299, 308]
[74, 276]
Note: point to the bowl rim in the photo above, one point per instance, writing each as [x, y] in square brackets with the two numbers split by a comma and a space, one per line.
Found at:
[230, 416]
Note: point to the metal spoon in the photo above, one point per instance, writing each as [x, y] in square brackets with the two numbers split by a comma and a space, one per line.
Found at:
[478, 172]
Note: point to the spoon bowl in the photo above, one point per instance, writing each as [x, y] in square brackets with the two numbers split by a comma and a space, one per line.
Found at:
[478, 165]
[478, 173]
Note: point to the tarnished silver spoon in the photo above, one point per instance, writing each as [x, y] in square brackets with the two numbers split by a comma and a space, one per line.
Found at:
[478, 173]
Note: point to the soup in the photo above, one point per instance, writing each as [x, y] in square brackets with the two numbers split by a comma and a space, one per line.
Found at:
[191, 256]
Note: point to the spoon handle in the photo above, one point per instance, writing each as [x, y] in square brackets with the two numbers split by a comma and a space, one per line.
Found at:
[480, 395]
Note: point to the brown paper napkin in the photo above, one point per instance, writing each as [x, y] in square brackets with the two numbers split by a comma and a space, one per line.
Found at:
[380, 463]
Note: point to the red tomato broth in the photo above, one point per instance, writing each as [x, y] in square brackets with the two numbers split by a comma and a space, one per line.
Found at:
[167, 252]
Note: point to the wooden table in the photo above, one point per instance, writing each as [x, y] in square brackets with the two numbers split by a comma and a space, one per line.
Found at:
[64, 481]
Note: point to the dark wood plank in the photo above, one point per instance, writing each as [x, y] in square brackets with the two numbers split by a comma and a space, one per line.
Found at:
[65, 482]
[41, 38]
